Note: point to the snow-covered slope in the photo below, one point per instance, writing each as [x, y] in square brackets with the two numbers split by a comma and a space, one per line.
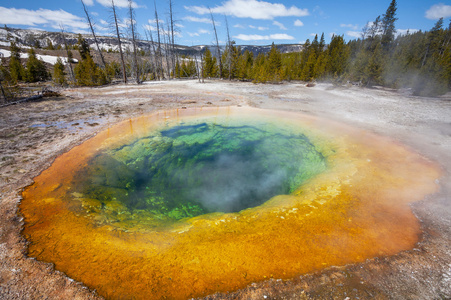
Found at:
[26, 38]
[46, 58]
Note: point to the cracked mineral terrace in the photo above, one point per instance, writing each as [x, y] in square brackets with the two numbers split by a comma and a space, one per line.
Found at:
[33, 134]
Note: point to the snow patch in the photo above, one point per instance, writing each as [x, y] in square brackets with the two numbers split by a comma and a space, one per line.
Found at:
[46, 58]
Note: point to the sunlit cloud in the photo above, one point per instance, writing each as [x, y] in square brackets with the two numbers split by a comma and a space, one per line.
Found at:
[198, 33]
[257, 37]
[405, 31]
[41, 17]
[298, 23]
[254, 9]
[199, 20]
[354, 34]
[280, 25]
[117, 3]
[353, 27]
[438, 11]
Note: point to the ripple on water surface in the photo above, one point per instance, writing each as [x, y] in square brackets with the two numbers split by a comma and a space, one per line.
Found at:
[185, 203]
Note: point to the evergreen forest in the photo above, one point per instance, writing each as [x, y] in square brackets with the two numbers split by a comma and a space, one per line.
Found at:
[418, 60]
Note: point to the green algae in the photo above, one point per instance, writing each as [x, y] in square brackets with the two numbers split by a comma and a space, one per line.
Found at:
[194, 169]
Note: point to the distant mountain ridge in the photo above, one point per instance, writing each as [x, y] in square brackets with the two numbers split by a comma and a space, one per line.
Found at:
[32, 37]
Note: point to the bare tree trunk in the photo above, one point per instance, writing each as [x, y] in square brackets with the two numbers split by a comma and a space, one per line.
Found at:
[217, 45]
[159, 56]
[174, 56]
[200, 69]
[93, 34]
[124, 72]
[72, 76]
[229, 51]
[132, 26]
[153, 61]
[167, 51]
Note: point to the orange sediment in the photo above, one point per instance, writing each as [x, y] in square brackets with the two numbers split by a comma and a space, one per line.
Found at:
[357, 209]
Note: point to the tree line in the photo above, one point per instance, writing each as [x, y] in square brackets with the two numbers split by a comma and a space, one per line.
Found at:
[418, 60]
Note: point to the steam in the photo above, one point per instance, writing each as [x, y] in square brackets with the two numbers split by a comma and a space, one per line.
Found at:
[231, 183]
[198, 169]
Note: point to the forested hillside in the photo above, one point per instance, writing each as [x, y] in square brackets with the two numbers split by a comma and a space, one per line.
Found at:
[417, 60]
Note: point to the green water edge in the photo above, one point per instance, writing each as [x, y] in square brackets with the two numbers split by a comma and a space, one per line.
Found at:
[192, 169]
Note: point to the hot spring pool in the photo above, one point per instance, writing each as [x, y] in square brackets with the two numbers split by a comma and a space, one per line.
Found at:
[185, 203]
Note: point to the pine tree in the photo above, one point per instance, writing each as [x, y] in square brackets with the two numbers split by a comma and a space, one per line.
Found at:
[35, 69]
[309, 70]
[83, 47]
[245, 65]
[58, 73]
[258, 69]
[209, 63]
[87, 73]
[388, 25]
[374, 68]
[338, 56]
[274, 65]
[16, 69]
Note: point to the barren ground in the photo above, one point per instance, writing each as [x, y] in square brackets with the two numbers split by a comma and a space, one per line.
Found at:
[33, 134]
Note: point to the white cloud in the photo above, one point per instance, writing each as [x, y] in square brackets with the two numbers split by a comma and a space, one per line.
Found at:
[198, 33]
[257, 37]
[405, 31]
[298, 23]
[280, 25]
[353, 27]
[199, 20]
[149, 27]
[354, 34]
[259, 27]
[238, 26]
[117, 3]
[438, 11]
[254, 9]
[154, 21]
[88, 2]
[45, 17]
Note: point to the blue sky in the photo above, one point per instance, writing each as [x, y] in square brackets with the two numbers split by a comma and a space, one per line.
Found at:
[254, 22]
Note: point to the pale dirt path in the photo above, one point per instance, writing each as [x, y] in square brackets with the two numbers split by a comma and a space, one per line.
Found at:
[33, 134]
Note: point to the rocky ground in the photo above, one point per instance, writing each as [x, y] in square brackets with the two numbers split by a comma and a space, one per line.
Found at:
[33, 134]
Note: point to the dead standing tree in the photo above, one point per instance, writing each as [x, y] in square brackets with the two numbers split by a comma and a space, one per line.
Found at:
[124, 71]
[229, 50]
[88, 18]
[154, 65]
[167, 50]
[134, 38]
[174, 56]
[159, 55]
[68, 53]
[218, 50]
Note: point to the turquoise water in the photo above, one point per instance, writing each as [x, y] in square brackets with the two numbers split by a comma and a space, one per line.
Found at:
[193, 169]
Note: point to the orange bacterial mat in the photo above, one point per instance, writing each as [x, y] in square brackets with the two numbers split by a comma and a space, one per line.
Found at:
[355, 209]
